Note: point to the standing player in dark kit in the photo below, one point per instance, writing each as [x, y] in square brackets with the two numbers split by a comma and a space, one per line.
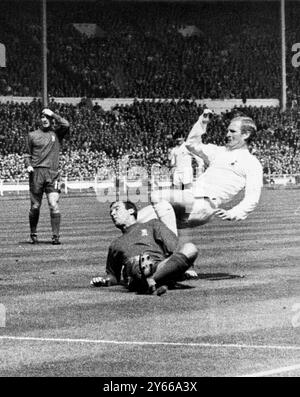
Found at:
[42, 162]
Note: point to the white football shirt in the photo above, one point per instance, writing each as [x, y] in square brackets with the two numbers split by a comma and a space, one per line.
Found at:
[181, 158]
[229, 172]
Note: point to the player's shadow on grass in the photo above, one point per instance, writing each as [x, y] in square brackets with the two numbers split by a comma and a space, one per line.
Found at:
[123, 289]
[41, 242]
[180, 285]
[205, 276]
[218, 276]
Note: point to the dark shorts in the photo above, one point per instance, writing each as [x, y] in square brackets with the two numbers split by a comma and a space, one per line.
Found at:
[43, 180]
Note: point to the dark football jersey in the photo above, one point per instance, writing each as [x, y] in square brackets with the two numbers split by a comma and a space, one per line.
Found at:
[152, 237]
[44, 147]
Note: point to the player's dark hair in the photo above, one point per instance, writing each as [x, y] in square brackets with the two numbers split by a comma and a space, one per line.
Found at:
[128, 205]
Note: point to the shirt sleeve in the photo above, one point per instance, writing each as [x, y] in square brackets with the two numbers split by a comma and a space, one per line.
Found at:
[194, 144]
[172, 158]
[254, 183]
[63, 127]
[27, 156]
[114, 265]
[207, 152]
[165, 237]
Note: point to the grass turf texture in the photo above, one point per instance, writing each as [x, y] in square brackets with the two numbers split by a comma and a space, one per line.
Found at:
[236, 319]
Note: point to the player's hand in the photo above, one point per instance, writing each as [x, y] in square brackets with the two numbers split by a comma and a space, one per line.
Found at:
[225, 215]
[99, 282]
[206, 116]
[29, 169]
[47, 112]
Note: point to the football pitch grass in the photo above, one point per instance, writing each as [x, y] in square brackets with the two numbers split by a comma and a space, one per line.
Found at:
[240, 318]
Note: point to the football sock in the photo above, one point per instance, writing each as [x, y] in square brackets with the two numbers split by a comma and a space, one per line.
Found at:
[55, 223]
[34, 215]
[172, 269]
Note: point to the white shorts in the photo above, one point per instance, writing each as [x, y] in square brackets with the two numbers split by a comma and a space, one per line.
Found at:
[202, 211]
[189, 211]
[183, 177]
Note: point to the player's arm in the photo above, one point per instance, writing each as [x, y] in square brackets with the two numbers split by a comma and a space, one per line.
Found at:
[172, 159]
[194, 140]
[254, 183]
[63, 124]
[113, 270]
[27, 156]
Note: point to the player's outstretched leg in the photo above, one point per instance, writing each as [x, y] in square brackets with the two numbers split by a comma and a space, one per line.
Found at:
[161, 210]
[181, 200]
[173, 268]
[202, 211]
[189, 211]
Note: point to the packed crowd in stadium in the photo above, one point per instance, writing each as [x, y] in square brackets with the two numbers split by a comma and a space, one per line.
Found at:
[141, 51]
[143, 131]
[199, 50]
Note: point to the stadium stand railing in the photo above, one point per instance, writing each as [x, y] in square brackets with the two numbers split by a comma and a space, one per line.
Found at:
[218, 105]
[125, 185]
[13, 186]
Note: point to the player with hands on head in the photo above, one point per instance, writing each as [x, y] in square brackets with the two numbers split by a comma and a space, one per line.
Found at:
[42, 163]
[147, 255]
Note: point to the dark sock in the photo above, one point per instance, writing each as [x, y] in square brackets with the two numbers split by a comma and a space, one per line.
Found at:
[34, 215]
[55, 223]
[172, 269]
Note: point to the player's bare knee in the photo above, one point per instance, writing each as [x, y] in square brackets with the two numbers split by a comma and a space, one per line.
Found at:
[190, 251]
[53, 206]
[201, 213]
[53, 199]
[54, 209]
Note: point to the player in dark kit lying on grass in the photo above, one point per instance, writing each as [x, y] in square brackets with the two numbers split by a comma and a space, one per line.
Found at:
[147, 255]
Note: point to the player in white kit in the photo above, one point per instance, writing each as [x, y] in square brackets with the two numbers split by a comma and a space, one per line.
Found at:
[181, 163]
[231, 170]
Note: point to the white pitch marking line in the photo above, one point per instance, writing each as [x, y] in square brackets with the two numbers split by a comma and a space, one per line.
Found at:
[272, 371]
[149, 343]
